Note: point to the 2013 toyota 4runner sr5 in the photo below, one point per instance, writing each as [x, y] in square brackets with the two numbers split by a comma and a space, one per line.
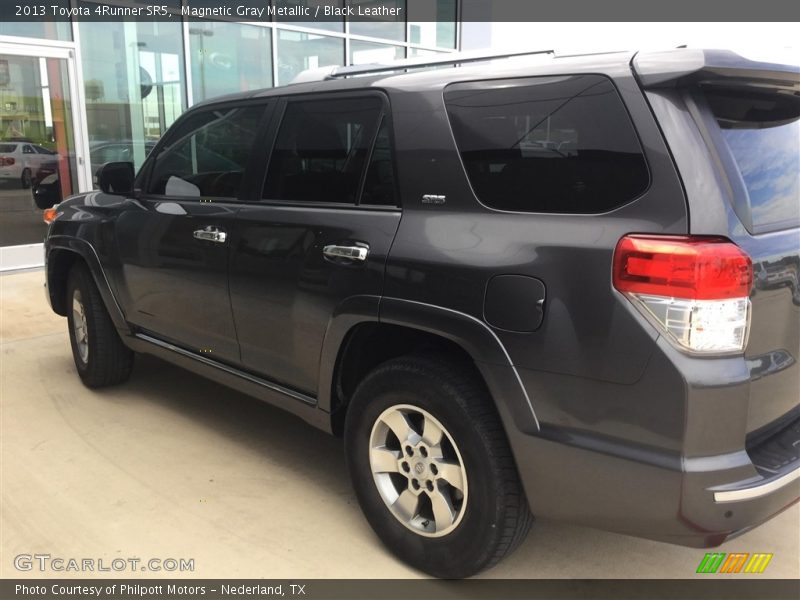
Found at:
[563, 287]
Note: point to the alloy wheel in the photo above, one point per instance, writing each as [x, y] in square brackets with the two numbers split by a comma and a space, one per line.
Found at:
[79, 326]
[418, 470]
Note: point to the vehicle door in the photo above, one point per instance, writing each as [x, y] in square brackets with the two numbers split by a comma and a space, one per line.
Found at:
[319, 234]
[174, 240]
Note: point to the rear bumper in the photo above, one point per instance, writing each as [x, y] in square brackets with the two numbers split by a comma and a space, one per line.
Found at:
[696, 502]
[665, 458]
[759, 490]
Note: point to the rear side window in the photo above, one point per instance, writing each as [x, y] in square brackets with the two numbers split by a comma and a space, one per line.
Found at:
[548, 145]
[7, 148]
[762, 131]
[321, 150]
[206, 155]
[379, 186]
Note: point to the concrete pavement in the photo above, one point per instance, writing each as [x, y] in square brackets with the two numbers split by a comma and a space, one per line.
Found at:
[170, 465]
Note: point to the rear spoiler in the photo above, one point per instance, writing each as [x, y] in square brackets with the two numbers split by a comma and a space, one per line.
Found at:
[686, 66]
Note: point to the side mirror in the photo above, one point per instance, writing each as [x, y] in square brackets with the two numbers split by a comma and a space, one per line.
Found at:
[116, 178]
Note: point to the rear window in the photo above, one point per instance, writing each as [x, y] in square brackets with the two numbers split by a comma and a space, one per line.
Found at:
[762, 131]
[548, 145]
[7, 148]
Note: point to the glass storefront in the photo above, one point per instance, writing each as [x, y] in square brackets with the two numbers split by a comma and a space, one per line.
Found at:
[390, 28]
[362, 53]
[336, 25]
[134, 93]
[47, 30]
[298, 51]
[37, 141]
[229, 56]
[136, 78]
[439, 28]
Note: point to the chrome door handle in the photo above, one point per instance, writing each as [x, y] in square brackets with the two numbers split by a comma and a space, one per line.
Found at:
[211, 234]
[335, 251]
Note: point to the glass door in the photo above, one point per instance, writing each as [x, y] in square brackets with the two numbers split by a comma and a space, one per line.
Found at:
[39, 139]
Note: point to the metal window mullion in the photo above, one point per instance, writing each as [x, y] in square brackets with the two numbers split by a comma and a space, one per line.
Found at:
[459, 25]
[347, 40]
[56, 44]
[81, 137]
[275, 63]
[187, 59]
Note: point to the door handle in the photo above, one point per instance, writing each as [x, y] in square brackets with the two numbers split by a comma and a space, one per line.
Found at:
[355, 253]
[211, 234]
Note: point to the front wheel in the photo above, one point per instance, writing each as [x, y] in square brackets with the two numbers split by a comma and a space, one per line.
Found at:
[26, 179]
[432, 468]
[100, 356]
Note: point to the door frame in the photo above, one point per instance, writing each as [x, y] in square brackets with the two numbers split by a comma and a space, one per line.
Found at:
[30, 255]
[78, 126]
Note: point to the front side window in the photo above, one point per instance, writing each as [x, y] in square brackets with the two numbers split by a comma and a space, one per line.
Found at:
[207, 154]
[321, 150]
[549, 145]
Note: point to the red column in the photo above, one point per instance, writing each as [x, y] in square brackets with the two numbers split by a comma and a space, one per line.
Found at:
[58, 103]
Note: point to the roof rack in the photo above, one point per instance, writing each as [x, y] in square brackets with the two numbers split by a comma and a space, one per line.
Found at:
[454, 58]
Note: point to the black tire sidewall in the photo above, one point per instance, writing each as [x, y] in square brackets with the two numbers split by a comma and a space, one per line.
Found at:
[77, 280]
[26, 179]
[469, 547]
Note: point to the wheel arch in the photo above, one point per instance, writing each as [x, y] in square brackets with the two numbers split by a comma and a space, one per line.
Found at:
[367, 331]
[63, 253]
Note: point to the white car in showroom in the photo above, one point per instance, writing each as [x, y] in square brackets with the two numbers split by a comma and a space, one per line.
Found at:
[20, 162]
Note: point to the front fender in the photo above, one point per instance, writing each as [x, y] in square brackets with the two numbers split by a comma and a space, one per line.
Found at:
[86, 252]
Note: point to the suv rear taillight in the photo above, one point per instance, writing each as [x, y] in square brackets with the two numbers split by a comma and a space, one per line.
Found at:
[6, 161]
[693, 288]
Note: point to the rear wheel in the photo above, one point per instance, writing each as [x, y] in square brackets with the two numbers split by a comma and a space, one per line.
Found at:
[100, 356]
[26, 180]
[432, 468]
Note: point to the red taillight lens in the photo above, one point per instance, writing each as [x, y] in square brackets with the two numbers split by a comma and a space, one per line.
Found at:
[6, 161]
[690, 267]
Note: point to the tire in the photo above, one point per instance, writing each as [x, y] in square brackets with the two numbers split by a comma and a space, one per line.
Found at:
[489, 517]
[25, 180]
[100, 356]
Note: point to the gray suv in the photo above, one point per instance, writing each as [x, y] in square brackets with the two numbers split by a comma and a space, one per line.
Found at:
[518, 288]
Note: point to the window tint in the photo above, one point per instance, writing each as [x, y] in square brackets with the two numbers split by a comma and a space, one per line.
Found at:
[554, 145]
[27, 150]
[762, 131]
[206, 155]
[8, 148]
[379, 187]
[321, 150]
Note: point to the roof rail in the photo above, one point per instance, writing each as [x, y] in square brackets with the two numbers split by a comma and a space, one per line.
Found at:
[453, 58]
